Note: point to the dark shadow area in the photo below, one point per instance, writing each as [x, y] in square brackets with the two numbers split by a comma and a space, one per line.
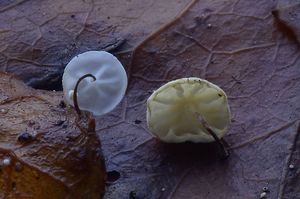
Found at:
[112, 176]
[49, 81]
[191, 152]
[52, 80]
[282, 27]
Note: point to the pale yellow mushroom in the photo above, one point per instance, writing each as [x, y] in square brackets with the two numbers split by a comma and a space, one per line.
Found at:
[174, 109]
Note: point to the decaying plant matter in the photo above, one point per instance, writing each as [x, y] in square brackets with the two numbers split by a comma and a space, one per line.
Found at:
[46, 149]
[235, 44]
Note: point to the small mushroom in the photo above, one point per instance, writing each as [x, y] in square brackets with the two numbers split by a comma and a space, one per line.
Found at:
[188, 109]
[103, 86]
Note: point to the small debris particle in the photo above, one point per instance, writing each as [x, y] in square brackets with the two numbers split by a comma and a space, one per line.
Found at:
[265, 189]
[220, 95]
[62, 104]
[291, 166]
[34, 133]
[13, 186]
[263, 195]
[132, 195]
[18, 167]
[36, 127]
[113, 176]
[59, 123]
[163, 189]
[72, 16]
[6, 161]
[25, 137]
[235, 79]
[137, 121]
[209, 25]
[31, 123]
[4, 111]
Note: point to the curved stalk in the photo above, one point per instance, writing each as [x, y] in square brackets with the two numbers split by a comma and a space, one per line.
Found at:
[75, 99]
[224, 152]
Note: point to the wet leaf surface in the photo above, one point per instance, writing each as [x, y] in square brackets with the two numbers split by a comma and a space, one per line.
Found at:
[46, 151]
[38, 38]
[237, 45]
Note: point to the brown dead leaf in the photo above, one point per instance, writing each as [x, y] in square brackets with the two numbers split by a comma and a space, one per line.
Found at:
[234, 44]
[50, 150]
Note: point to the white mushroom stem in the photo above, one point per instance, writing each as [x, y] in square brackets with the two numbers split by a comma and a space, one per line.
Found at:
[76, 89]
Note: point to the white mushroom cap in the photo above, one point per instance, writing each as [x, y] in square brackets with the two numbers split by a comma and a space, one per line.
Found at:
[102, 95]
[172, 111]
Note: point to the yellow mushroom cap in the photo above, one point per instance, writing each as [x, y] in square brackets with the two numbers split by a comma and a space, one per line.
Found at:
[172, 111]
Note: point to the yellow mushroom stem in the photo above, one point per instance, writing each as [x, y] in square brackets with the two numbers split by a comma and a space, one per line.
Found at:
[224, 152]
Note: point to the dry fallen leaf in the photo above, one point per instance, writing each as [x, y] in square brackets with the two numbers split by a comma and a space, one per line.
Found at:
[45, 150]
[38, 38]
[237, 45]
[289, 15]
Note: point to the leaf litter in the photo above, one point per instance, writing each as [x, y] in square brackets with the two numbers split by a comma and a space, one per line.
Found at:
[237, 45]
[46, 150]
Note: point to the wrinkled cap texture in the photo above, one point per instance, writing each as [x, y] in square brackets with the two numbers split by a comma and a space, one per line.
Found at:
[99, 96]
[173, 110]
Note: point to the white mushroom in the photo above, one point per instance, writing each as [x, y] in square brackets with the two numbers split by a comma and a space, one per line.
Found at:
[98, 96]
[174, 109]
